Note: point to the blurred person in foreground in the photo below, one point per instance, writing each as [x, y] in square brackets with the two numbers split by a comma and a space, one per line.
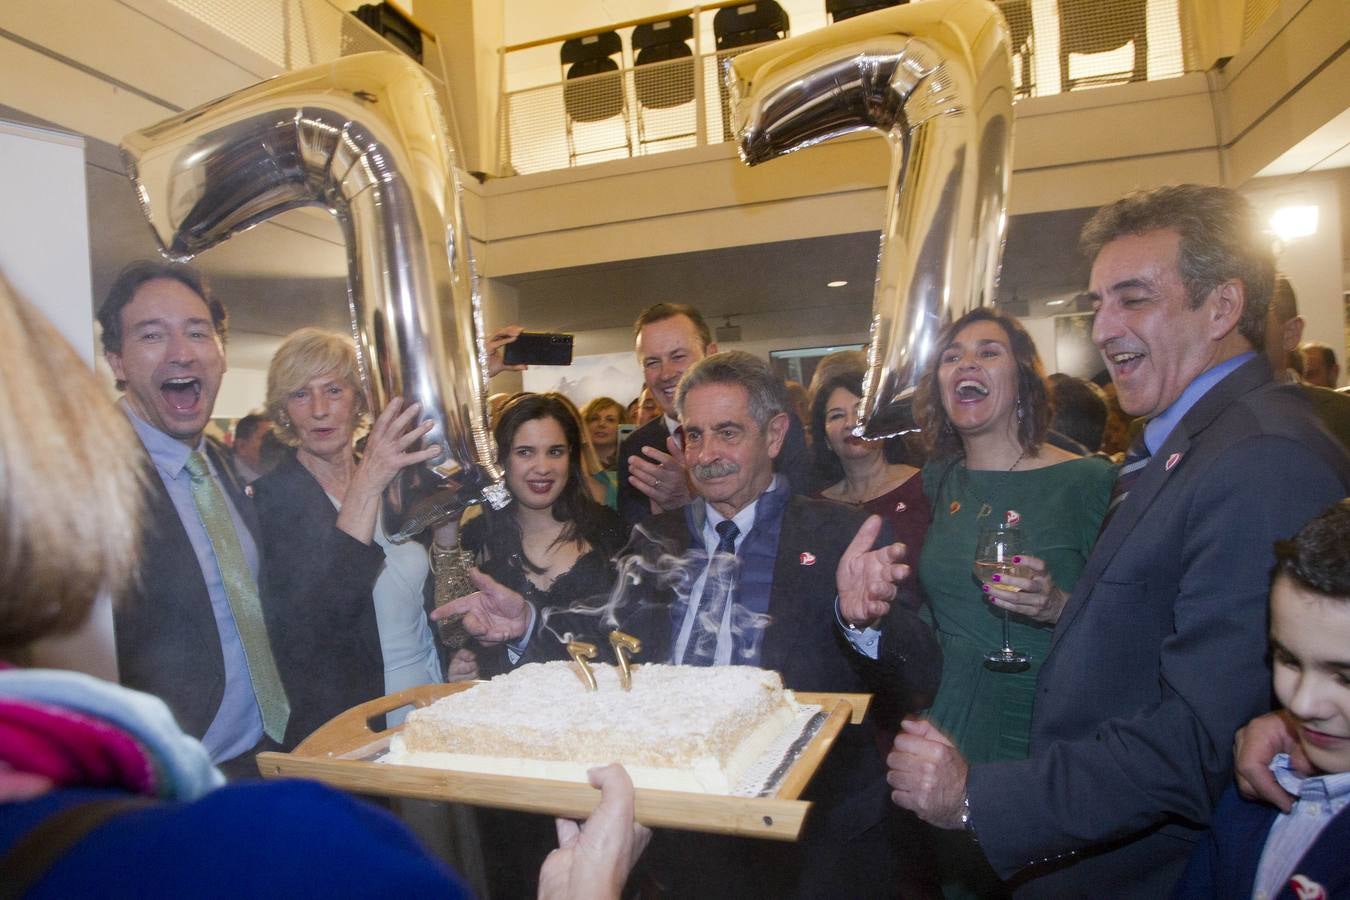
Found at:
[1256, 849]
[101, 793]
[1159, 653]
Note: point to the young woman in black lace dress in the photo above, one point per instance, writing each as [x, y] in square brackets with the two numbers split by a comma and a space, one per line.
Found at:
[554, 543]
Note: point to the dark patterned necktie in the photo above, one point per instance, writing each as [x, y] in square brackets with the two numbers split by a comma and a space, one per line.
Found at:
[1136, 460]
[702, 647]
[242, 592]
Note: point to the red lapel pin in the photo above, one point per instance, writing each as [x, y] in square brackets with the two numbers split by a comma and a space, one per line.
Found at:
[808, 559]
[1171, 461]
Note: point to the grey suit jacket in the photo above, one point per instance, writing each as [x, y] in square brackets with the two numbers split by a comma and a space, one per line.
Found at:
[167, 641]
[1159, 655]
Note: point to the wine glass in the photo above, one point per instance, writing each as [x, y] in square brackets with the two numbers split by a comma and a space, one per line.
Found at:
[998, 544]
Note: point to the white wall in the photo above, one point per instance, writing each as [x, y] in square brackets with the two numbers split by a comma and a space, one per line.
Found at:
[44, 236]
[44, 252]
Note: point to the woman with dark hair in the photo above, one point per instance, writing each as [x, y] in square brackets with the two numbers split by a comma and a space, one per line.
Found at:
[984, 409]
[865, 474]
[554, 543]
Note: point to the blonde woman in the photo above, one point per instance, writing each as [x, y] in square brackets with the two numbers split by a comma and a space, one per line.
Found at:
[602, 418]
[347, 603]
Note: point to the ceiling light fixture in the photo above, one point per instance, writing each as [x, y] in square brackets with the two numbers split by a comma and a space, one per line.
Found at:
[1289, 222]
[728, 333]
[835, 283]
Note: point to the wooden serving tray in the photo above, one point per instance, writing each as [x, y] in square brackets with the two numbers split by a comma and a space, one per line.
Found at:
[341, 754]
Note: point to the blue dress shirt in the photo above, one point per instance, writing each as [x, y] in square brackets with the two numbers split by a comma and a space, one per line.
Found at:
[1160, 426]
[238, 725]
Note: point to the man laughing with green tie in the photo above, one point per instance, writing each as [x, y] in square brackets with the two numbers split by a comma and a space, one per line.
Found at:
[194, 633]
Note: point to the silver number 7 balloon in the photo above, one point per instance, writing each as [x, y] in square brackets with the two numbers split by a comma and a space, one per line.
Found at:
[364, 138]
[935, 78]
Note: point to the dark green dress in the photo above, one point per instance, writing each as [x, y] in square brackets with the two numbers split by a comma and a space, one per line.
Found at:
[988, 714]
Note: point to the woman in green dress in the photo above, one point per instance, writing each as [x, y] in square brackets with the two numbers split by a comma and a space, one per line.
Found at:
[984, 408]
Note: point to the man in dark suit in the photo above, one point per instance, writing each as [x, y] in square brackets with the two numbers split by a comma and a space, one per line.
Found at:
[1319, 365]
[774, 607]
[670, 338]
[193, 632]
[1159, 653]
[1284, 330]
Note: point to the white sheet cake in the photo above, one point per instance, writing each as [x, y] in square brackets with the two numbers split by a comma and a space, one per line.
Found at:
[680, 727]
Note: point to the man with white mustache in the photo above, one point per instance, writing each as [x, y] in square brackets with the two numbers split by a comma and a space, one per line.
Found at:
[805, 570]
[193, 633]
[1159, 653]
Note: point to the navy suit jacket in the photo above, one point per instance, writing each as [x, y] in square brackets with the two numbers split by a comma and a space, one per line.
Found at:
[1159, 654]
[165, 630]
[1225, 864]
[794, 461]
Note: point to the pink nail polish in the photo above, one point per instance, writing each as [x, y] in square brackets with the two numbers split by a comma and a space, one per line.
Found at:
[997, 578]
[1017, 559]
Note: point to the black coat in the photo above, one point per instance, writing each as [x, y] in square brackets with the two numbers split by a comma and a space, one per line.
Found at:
[316, 586]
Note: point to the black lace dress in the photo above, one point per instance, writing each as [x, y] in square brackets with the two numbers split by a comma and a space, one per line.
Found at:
[588, 581]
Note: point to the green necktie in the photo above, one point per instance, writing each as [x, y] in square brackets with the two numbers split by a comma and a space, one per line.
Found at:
[242, 592]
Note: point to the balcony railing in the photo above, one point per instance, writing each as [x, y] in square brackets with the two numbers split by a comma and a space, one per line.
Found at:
[1058, 45]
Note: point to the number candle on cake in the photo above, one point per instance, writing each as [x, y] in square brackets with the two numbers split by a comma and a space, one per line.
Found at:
[580, 651]
[624, 644]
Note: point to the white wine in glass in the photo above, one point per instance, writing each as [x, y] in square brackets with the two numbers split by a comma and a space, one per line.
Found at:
[995, 549]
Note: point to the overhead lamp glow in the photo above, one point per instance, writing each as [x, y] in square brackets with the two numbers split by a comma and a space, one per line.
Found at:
[1060, 302]
[835, 283]
[1291, 222]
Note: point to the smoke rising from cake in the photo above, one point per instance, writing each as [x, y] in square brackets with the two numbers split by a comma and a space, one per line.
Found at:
[648, 560]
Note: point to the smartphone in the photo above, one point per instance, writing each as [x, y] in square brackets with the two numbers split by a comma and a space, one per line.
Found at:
[534, 348]
[625, 431]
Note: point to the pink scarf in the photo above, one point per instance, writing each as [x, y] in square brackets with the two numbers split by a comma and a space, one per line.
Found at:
[42, 744]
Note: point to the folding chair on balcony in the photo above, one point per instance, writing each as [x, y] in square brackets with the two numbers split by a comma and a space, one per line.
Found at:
[663, 72]
[1099, 26]
[1017, 13]
[749, 23]
[593, 89]
[739, 27]
[840, 10]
